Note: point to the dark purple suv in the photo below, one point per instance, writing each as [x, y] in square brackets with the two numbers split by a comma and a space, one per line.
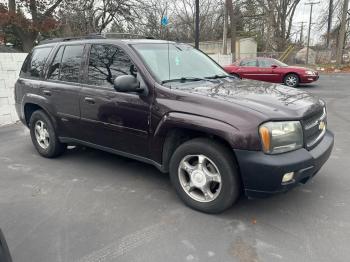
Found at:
[170, 105]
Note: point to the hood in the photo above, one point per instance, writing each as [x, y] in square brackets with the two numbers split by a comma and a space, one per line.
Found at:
[274, 101]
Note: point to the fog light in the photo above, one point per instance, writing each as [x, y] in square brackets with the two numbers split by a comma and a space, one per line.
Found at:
[287, 177]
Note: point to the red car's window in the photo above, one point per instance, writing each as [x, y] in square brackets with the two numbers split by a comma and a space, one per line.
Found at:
[265, 63]
[248, 62]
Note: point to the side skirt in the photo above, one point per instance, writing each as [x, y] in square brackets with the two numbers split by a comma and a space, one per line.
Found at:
[68, 140]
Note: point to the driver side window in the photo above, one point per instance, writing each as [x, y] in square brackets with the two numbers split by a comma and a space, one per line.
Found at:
[106, 62]
[265, 63]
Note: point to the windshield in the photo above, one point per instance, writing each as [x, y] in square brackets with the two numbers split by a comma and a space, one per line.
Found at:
[177, 61]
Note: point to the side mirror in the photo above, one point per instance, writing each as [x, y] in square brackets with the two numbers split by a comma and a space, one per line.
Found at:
[274, 66]
[127, 83]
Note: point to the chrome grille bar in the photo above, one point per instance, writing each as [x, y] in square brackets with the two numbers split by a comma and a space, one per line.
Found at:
[316, 122]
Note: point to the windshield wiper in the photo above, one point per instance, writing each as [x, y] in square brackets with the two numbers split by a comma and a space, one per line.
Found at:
[185, 79]
[220, 76]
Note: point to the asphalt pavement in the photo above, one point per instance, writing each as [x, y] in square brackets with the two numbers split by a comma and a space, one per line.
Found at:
[93, 206]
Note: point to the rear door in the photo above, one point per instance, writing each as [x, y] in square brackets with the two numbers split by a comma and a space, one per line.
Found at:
[109, 118]
[248, 68]
[62, 88]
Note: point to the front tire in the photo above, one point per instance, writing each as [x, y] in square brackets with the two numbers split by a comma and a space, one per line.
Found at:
[204, 175]
[235, 75]
[44, 136]
[291, 80]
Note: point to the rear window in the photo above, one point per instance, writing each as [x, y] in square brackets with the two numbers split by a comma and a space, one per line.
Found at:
[34, 64]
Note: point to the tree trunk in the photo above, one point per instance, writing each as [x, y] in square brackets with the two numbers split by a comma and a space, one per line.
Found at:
[233, 28]
[12, 6]
[342, 32]
[28, 40]
[224, 34]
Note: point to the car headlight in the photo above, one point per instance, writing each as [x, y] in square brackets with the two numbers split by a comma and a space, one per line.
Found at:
[280, 137]
[310, 72]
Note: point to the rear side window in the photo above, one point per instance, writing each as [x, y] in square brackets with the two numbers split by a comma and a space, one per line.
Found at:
[70, 64]
[66, 64]
[54, 70]
[248, 62]
[106, 62]
[34, 64]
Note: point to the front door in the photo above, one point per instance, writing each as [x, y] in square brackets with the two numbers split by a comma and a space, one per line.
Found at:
[267, 72]
[112, 119]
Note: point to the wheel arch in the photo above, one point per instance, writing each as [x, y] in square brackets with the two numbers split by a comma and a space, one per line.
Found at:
[177, 128]
[30, 107]
[289, 73]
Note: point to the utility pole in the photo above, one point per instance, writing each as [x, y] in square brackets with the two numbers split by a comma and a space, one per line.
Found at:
[196, 42]
[342, 32]
[224, 34]
[329, 26]
[308, 36]
[301, 31]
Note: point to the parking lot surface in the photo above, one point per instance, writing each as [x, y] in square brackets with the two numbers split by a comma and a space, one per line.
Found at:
[93, 206]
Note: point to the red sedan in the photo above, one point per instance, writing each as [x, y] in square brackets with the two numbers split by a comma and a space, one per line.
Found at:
[272, 70]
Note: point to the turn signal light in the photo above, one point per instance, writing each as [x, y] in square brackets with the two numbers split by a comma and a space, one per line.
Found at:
[265, 138]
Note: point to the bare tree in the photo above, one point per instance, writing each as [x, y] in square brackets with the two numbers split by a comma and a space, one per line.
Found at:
[342, 32]
[280, 14]
[27, 29]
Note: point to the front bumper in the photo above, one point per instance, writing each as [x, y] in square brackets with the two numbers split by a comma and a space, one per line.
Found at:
[309, 78]
[262, 174]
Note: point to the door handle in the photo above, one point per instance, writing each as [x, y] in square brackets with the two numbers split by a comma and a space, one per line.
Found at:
[89, 100]
[47, 92]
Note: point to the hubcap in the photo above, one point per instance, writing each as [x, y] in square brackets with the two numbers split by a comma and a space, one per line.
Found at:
[291, 81]
[199, 178]
[41, 134]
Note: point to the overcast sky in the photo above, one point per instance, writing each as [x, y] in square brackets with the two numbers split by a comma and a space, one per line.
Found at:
[302, 14]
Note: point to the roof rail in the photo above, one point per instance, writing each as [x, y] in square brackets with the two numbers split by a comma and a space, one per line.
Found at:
[126, 36]
[64, 39]
[95, 36]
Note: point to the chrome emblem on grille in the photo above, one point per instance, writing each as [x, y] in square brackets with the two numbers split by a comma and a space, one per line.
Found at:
[321, 125]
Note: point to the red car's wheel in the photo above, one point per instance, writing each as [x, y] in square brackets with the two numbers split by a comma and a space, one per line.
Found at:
[291, 80]
[235, 75]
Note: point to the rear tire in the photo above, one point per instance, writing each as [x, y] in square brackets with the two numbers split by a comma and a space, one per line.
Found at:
[44, 136]
[212, 186]
[291, 80]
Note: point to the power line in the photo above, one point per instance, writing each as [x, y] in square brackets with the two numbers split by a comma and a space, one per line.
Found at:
[308, 36]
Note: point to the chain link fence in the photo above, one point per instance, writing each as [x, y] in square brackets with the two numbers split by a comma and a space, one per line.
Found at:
[297, 57]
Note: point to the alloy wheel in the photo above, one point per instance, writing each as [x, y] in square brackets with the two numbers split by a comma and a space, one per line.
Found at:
[41, 134]
[291, 80]
[199, 178]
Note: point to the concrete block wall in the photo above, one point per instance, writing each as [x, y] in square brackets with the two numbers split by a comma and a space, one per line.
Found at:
[10, 66]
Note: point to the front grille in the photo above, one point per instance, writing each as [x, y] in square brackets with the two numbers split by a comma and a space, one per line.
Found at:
[313, 131]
